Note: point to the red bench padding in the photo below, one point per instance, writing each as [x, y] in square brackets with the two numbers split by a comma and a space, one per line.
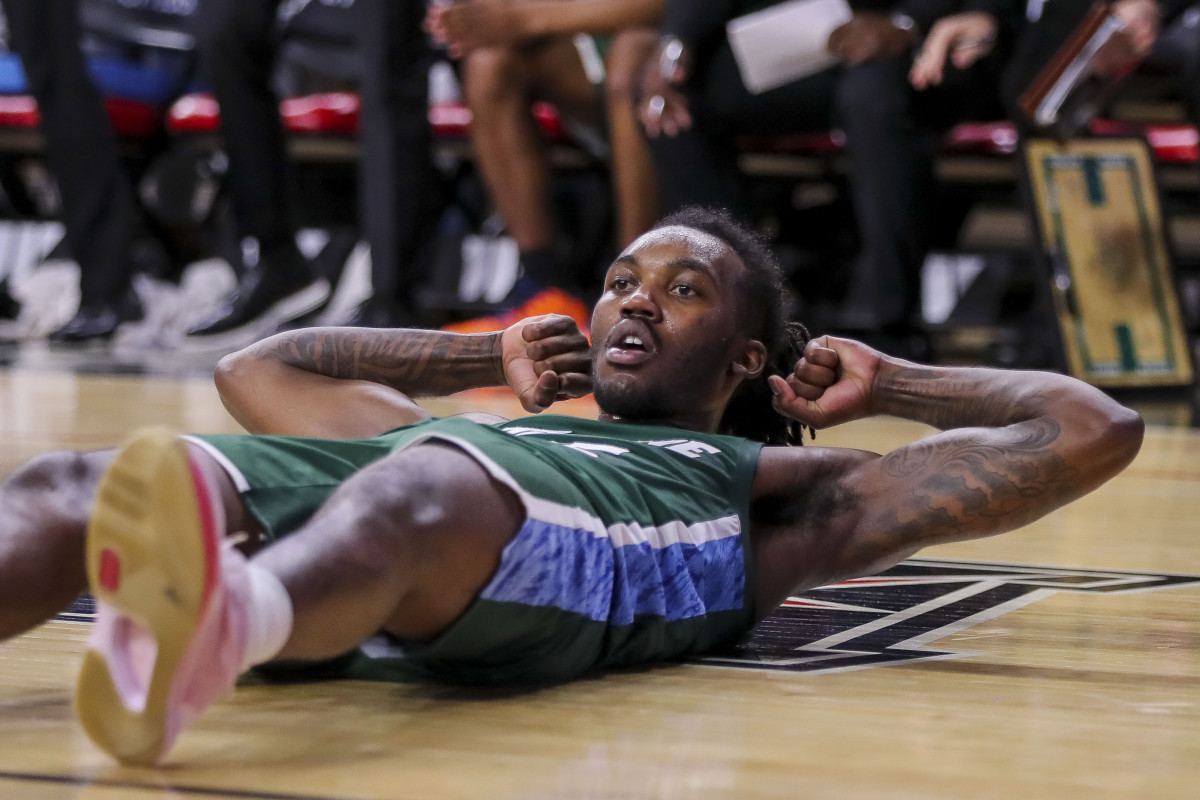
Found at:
[339, 113]
[131, 119]
[330, 113]
[1174, 143]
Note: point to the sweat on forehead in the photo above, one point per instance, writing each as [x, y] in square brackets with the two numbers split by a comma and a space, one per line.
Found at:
[704, 246]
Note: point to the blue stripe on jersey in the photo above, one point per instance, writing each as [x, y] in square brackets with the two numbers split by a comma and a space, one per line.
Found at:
[572, 569]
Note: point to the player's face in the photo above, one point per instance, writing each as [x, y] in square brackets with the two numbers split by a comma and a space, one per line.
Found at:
[664, 332]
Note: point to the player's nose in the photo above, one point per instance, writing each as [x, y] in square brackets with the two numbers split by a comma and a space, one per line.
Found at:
[641, 303]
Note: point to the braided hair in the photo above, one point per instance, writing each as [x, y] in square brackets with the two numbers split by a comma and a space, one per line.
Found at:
[750, 413]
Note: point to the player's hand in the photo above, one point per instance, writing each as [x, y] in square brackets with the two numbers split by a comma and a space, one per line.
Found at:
[962, 39]
[662, 106]
[869, 36]
[465, 26]
[546, 359]
[830, 384]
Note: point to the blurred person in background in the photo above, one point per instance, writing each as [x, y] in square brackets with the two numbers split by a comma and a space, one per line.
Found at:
[236, 40]
[961, 39]
[99, 211]
[964, 38]
[693, 103]
[583, 57]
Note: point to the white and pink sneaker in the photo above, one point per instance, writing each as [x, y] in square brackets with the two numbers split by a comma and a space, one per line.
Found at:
[171, 625]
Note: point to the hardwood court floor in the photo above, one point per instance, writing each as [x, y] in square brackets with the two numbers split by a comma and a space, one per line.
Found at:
[1076, 691]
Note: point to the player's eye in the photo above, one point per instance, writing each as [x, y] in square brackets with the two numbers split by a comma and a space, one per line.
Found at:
[684, 290]
[619, 283]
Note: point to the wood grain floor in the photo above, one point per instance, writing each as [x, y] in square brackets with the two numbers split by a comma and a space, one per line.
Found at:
[1070, 694]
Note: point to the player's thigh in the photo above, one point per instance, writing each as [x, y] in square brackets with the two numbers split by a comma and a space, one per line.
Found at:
[456, 521]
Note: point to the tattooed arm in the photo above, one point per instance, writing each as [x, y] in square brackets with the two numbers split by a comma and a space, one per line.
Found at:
[1015, 446]
[348, 382]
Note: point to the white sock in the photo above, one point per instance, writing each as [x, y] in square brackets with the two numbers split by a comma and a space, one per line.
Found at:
[270, 617]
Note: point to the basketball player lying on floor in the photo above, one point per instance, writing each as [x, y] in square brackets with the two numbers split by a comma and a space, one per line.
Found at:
[540, 549]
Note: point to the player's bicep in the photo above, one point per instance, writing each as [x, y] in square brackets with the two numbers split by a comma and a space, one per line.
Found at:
[961, 484]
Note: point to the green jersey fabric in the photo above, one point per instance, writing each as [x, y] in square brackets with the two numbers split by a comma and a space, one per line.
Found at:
[633, 548]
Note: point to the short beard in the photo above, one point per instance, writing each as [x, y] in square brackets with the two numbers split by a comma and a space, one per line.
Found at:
[629, 402]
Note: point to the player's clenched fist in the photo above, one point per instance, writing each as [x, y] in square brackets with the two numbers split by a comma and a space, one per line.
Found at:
[830, 384]
[545, 359]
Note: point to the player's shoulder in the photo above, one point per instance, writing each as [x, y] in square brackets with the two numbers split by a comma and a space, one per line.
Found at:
[791, 469]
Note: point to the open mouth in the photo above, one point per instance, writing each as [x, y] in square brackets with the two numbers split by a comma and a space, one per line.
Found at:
[630, 348]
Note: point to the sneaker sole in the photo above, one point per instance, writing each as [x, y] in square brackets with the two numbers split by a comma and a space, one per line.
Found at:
[152, 556]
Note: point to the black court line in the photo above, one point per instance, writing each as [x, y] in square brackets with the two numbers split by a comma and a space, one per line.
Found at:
[73, 780]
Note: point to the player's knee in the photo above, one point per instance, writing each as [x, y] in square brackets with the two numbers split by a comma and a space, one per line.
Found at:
[491, 73]
[61, 475]
[54, 473]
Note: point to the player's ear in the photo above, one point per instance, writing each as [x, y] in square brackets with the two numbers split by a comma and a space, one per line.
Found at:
[751, 360]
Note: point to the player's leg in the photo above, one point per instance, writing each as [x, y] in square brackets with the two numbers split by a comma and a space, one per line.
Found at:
[501, 84]
[497, 82]
[394, 547]
[44, 506]
[633, 170]
[405, 545]
[44, 510]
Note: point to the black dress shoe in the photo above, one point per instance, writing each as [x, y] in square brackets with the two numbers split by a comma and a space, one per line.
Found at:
[373, 313]
[10, 307]
[98, 322]
[267, 296]
[88, 324]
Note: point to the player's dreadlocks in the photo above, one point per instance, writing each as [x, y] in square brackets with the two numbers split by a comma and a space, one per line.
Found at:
[750, 413]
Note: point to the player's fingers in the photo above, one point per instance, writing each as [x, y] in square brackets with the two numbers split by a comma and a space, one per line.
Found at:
[779, 387]
[784, 397]
[815, 374]
[551, 346]
[804, 390]
[816, 353]
[541, 394]
[786, 403]
[548, 325]
[564, 351]
[574, 384]
[568, 363]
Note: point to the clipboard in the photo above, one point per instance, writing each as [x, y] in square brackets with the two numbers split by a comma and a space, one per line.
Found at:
[785, 42]
[1067, 94]
[1102, 246]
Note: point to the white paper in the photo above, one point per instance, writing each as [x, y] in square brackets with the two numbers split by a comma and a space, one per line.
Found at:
[785, 42]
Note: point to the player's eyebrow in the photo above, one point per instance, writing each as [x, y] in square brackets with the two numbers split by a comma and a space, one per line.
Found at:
[678, 264]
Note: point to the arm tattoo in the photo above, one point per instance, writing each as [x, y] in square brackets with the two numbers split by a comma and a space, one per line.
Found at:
[415, 362]
[955, 398]
[976, 483]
